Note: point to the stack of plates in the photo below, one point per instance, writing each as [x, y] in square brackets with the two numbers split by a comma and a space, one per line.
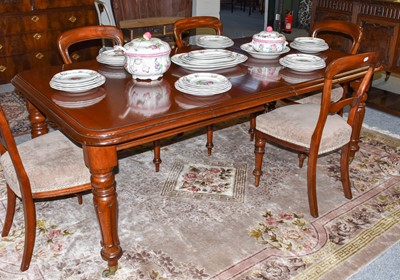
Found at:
[203, 84]
[302, 62]
[208, 60]
[261, 55]
[214, 42]
[112, 58]
[79, 100]
[78, 80]
[309, 44]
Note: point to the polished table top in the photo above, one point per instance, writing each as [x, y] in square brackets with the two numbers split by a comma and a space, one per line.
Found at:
[116, 123]
[114, 119]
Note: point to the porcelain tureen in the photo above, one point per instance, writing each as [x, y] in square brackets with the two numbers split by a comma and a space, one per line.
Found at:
[147, 58]
[269, 41]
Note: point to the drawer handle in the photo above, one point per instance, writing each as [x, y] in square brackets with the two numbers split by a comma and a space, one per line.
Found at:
[35, 18]
[39, 55]
[72, 19]
[1, 46]
[37, 36]
[75, 56]
[2, 68]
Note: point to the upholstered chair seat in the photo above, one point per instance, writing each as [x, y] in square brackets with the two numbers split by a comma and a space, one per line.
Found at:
[46, 167]
[296, 124]
[50, 162]
[315, 129]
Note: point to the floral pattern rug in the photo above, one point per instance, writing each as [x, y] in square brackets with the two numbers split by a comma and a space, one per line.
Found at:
[222, 181]
[267, 233]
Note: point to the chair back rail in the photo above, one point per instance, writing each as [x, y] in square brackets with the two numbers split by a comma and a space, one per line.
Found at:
[87, 33]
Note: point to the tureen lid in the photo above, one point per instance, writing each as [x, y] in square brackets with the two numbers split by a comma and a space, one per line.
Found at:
[147, 45]
[269, 34]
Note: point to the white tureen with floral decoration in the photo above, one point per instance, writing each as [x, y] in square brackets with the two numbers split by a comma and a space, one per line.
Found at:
[146, 58]
[269, 41]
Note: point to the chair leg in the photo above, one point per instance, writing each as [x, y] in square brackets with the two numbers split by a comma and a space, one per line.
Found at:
[79, 196]
[30, 233]
[252, 128]
[302, 157]
[259, 150]
[312, 184]
[11, 199]
[209, 144]
[157, 154]
[344, 171]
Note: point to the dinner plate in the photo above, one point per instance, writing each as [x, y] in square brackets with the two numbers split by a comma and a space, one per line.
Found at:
[203, 84]
[309, 44]
[302, 62]
[310, 40]
[204, 80]
[262, 55]
[214, 41]
[112, 58]
[78, 87]
[75, 76]
[207, 63]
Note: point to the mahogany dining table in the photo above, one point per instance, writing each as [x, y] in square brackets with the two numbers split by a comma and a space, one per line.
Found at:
[114, 123]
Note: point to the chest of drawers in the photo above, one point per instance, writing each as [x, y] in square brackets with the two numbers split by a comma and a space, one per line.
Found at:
[29, 30]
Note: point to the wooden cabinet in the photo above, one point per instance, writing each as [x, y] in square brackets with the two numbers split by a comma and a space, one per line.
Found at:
[380, 21]
[29, 30]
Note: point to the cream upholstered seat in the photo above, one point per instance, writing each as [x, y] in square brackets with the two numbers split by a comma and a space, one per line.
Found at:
[296, 124]
[317, 129]
[45, 167]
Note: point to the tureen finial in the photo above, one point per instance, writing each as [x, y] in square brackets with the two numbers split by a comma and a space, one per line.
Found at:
[147, 35]
[269, 29]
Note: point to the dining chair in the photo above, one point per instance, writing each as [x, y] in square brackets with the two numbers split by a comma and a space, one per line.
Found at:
[338, 28]
[46, 167]
[87, 33]
[181, 28]
[316, 129]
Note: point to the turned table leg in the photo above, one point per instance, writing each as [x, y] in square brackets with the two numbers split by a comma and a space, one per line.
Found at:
[37, 119]
[101, 162]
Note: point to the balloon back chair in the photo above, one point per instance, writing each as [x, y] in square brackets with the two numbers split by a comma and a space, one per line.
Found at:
[46, 167]
[316, 129]
[190, 23]
[181, 27]
[87, 33]
[340, 30]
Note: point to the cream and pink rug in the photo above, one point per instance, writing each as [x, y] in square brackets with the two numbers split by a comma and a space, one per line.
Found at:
[201, 217]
